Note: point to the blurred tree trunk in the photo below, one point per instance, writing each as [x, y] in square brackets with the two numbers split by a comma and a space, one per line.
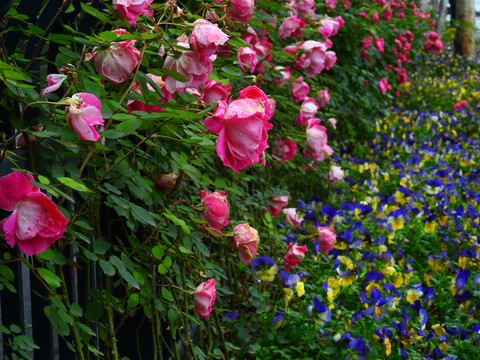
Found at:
[442, 13]
[465, 36]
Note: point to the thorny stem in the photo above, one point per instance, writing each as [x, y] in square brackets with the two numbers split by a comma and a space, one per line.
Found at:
[111, 328]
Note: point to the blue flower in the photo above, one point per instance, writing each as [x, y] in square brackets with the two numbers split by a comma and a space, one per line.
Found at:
[320, 313]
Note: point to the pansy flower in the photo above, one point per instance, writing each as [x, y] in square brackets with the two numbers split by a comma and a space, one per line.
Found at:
[320, 313]
[265, 267]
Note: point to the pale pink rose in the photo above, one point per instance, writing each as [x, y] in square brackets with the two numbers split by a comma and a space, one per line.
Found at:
[117, 62]
[246, 241]
[206, 37]
[213, 92]
[136, 105]
[240, 11]
[294, 255]
[305, 6]
[285, 73]
[300, 89]
[242, 126]
[330, 59]
[379, 44]
[292, 217]
[279, 202]
[291, 26]
[331, 3]
[35, 223]
[83, 114]
[323, 98]
[54, 81]
[262, 48]
[308, 110]
[215, 209]
[317, 141]
[383, 85]
[247, 56]
[325, 239]
[328, 27]
[332, 122]
[312, 60]
[205, 295]
[131, 9]
[284, 149]
[335, 174]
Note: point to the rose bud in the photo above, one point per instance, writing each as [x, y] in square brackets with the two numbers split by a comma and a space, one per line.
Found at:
[205, 295]
[246, 240]
[166, 182]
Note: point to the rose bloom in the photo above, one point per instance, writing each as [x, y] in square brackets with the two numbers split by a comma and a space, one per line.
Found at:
[325, 239]
[35, 223]
[277, 203]
[206, 37]
[294, 255]
[300, 89]
[308, 110]
[205, 295]
[330, 59]
[328, 27]
[292, 217]
[166, 182]
[131, 9]
[383, 85]
[331, 3]
[323, 98]
[379, 44]
[291, 26]
[213, 92]
[240, 11]
[247, 56]
[117, 62]
[136, 105]
[305, 6]
[317, 141]
[83, 114]
[312, 60]
[242, 126]
[284, 149]
[215, 209]
[335, 174]
[333, 122]
[246, 240]
[54, 81]
[285, 73]
[460, 105]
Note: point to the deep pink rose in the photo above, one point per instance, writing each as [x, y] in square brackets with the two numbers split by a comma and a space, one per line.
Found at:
[131, 9]
[278, 203]
[312, 60]
[379, 44]
[292, 217]
[460, 105]
[325, 239]
[242, 126]
[401, 75]
[305, 6]
[317, 141]
[331, 3]
[117, 62]
[375, 17]
[215, 209]
[323, 98]
[433, 44]
[54, 81]
[300, 89]
[366, 43]
[206, 37]
[340, 21]
[136, 105]
[83, 114]
[213, 92]
[308, 110]
[240, 11]
[247, 56]
[35, 223]
[335, 174]
[291, 26]
[246, 241]
[205, 295]
[383, 85]
[330, 59]
[284, 149]
[294, 255]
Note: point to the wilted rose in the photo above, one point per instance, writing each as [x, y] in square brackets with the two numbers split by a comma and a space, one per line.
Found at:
[246, 241]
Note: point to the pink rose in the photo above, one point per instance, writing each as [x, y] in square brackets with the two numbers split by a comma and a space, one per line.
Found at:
[240, 11]
[335, 174]
[291, 26]
[277, 203]
[340, 21]
[246, 240]
[136, 105]
[284, 149]
[460, 105]
[117, 62]
[375, 17]
[331, 3]
[332, 122]
[83, 114]
[213, 92]
[35, 223]
[131, 9]
[54, 81]
[285, 73]
[328, 27]
[379, 44]
[247, 56]
[383, 85]
[205, 295]
[242, 126]
[304, 7]
[300, 89]
[312, 60]
[433, 44]
[206, 37]
[330, 59]
[323, 98]
[294, 255]
[401, 75]
[325, 239]
[215, 209]
[366, 43]
[292, 217]
[317, 141]
[308, 110]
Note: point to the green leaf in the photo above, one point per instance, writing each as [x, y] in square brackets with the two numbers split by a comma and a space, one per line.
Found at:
[162, 269]
[142, 215]
[73, 184]
[108, 35]
[50, 278]
[94, 310]
[107, 268]
[176, 75]
[125, 128]
[100, 246]
[177, 221]
[166, 294]
[7, 273]
[133, 300]
[157, 251]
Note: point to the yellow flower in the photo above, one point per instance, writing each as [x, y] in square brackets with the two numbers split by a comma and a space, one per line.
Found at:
[300, 288]
[430, 226]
